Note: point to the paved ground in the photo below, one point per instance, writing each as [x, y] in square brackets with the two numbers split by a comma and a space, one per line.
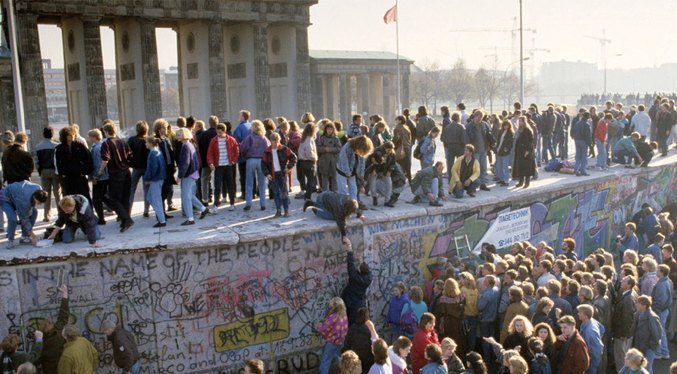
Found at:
[228, 228]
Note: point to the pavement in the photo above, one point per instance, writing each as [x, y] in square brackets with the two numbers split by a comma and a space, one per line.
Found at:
[228, 228]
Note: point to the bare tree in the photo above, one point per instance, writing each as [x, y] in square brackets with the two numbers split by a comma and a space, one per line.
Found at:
[482, 82]
[427, 86]
[460, 83]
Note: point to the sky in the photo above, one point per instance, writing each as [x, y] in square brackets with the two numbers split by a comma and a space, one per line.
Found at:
[429, 32]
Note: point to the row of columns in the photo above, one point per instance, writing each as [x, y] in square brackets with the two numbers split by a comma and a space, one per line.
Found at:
[374, 94]
[222, 70]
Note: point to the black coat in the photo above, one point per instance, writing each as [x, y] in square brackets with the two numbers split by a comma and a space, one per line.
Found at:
[125, 351]
[77, 162]
[358, 340]
[525, 166]
[53, 343]
[355, 292]
[516, 340]
[17, 165]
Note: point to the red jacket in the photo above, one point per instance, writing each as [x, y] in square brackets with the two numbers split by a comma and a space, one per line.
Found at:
[576, 360]
[231, 147]
[601, 132]
[422, 339]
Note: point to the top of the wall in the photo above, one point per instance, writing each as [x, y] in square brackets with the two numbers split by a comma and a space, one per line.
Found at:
[239, 227]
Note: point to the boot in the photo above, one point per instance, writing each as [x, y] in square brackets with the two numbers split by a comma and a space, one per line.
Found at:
[286, 213]
[521, 182]
[526, 184]
[307, 203]
[375, 199]
[393, 199]
[278, 214]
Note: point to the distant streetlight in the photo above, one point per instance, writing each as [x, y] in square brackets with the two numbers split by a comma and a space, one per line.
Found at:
[618, 55]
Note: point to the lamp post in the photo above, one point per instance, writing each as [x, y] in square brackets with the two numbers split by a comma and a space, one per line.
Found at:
[505, 75]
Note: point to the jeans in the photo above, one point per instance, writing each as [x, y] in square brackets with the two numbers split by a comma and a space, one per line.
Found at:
[623, 157]
[434, 189]
[487, 329]
[581, 157]
[13, 220]
[133, 370]
[137, 175]
[594, 363]
[663, 350]
[601, 154]
[50, 183]
[482, 158]
[254, 172]
[155, 199]
[68, 234]
[374, 177]
[206, 182]
[224, 180]
[451, 152]
[547, 147]
[331, 351]
[538, 149]
[502, 168]
[350, 182]
[280, 191]
[649, 355]
[458, 192]
[188, 198]
[321, 211]
[471, 336]
[119, 190]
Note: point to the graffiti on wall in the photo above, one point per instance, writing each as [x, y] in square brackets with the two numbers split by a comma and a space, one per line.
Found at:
[209, 310]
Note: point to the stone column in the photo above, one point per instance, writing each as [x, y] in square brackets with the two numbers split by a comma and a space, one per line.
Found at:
[8, 105]
[344, 98]
[376, 94]
[387, 82]
[96, 82]
[217, 71]
[329, 95]
[405, 90]
[261, 70]
[303, 102]
[150, 71]
[180, 70]
[364, 93]
[317, 97]
[32, 82]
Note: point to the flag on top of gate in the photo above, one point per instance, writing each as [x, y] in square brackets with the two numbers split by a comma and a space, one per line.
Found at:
[391, 15]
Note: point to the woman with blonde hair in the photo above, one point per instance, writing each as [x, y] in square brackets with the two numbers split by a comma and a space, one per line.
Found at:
[333, 330]
[252, 149]
[350, 363]
[351, 164]
[454, 363]
[520, 331]
[189, 173]
[449, 316]
[635, 363]
[471, 311]
[518, 365]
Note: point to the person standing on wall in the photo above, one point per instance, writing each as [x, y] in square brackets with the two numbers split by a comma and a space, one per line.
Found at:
[116, 155]
[243, 129]
[125, 352]
[44, 152]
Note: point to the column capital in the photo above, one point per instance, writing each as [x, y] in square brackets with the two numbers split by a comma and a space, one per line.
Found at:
[91, 18]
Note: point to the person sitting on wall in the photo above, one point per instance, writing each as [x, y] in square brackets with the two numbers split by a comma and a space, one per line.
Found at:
[335, 206]
[465, 174]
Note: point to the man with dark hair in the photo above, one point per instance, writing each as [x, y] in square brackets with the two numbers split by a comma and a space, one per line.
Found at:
[425, 124]
[125, 352]
[664, 121]
[662, 303]
[464, 115]
[569, 248]
[465, 174]
[453, 138]
[18, 202]
[9, 346]
[332, 205]
[645, 152]
[44, 152]
[478, 133]
[204, 139]
[488, 308]
[117, 155]
[243, 129]
[572, 357]
[554, 288]
[623, 320]
[446, 120]
[17, 164]
[549, 123]
[359, 279]
[582, 135]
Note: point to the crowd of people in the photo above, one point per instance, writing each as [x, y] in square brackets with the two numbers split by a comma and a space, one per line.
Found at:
[630, 98]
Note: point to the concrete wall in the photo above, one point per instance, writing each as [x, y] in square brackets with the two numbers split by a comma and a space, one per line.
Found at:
[207, 310]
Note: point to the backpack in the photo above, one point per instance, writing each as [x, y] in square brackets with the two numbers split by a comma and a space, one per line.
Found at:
[408, 321]
[417, 150]
[613, 127]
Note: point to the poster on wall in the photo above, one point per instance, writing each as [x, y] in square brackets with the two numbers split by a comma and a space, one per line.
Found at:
[507, 228]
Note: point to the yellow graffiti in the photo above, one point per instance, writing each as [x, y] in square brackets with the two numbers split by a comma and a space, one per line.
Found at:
[263, 328]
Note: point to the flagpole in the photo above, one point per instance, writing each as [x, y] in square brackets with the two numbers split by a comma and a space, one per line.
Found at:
[398, 108]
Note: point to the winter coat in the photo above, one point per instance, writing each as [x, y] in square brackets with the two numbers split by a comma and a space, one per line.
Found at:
[449, 322]
[156, 168]
[189, 161]
[455, 365]
[514, 309]
[82, 218]
[515, 340]
[294, 141]
[53, 343]
[421, 340]
[204, 140]
[73, 163]
[307, 150]
[395, 308]
[471, 135]
[78, 357]
[424, 179]
[648, 331]
[402, 136]
[125, 351]
[334, 329]
[358, 340]
[213, 152]
[19, 358]
[17, 164]
[505, 142]
[524, 166]
[44, 152]
[139, 152]
[425, 124]
[333, 202]
[399, 365]
[662, 295]
[355, 292]
[347, 160]
[576, 359]
[328, 149]
[623, 321]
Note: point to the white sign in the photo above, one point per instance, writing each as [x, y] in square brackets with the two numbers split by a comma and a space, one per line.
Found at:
[508, 227]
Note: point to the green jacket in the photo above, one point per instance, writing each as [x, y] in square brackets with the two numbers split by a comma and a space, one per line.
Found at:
[54, 343]
[19, 358]
[78, 357]
[424, 179]
[425, 124]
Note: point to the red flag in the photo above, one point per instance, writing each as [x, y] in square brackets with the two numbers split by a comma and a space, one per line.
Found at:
[391, 15]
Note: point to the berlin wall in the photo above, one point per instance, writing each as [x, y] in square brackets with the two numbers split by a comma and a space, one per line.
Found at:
[199, 310]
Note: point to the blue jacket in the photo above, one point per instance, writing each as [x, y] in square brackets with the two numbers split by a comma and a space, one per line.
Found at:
[629, 242]
[156, 168]
[356, 291]
[428, 150]
[96, 161]
[592, 333]
[20, 196]
[353, 131]
[189, 161]
[662, 295]
[648, 226]
[488, 304]
[347, 160]
[434, 368]
[471, 135]
[581, 131]
[655, 251]
[242, 130]
[395, 308]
